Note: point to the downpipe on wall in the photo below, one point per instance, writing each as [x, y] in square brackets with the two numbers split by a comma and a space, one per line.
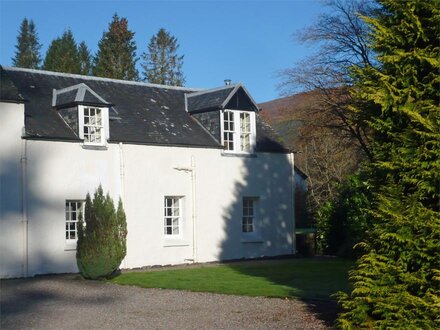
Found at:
[122, 187]
[24, 211]
[292, 173]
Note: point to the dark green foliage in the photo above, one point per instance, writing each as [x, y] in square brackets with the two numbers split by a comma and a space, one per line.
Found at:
[102, 240]
[397, 282]
[85, 59]
[28, 48]
[62, 55]
[116, 56]
[162, 64]
[344, 222]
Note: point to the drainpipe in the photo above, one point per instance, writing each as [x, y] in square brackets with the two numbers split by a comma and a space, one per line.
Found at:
[121, 183]
[194, 207]
[24, 216]
[292, 164]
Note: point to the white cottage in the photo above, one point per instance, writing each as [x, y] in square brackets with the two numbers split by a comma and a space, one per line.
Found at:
[202, 178]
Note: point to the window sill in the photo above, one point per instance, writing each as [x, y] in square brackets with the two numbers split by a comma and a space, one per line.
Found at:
[251, 239]
[94, 147]
[238, 154]
[169, 242]
[70, 246]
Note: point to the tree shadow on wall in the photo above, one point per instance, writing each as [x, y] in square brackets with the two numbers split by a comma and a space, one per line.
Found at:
[268, 183]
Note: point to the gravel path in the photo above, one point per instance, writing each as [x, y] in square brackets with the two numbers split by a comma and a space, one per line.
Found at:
[68, 302]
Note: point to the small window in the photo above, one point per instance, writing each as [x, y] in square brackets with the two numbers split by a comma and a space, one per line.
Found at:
[248, 219]
[173, 216]
[93, 128]
[74, 209]
[245, 132]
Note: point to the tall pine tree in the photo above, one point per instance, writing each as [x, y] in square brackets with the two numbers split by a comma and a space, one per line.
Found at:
[161, 64]
[85, 59]
[28, 47]
[62, 55]
[116, 56]
[396, 283]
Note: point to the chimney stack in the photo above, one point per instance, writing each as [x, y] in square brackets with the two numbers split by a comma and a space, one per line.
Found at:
[227, 82]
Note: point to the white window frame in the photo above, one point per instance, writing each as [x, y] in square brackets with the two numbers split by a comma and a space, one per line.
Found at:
[68, 219]
[171, 216]
[237, 133]
[105, 132]
[249, 215]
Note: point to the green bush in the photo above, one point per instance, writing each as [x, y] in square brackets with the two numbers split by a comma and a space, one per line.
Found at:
[343, 222]
[102, 237]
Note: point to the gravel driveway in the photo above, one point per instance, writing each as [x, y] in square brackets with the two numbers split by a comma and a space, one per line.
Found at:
[68, 302]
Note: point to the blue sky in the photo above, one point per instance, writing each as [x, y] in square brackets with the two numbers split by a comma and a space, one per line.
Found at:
[247, 41]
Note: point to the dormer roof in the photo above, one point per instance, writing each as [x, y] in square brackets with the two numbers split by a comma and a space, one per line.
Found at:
[77, 94]
[228, 97]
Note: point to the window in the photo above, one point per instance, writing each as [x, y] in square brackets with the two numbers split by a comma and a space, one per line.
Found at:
[238, 131]
[248, 220]
[228, 130]
[173, 216]
[73, 211]
[93, 125]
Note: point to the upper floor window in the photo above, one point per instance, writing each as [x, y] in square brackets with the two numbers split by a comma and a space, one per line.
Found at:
[238, 131]
[93, 126]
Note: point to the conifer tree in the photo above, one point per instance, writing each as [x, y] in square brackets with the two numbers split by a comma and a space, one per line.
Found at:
[396, 283]
[85, 59]
[101, 236]
[116, 56]
[62, 55]
[161, 64]
[28, 47]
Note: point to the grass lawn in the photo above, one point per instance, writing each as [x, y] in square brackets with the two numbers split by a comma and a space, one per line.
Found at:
[314, 278]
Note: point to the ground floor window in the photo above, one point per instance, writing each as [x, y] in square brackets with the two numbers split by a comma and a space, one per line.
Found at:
[248, 218]
[173, 215]
[74, 209]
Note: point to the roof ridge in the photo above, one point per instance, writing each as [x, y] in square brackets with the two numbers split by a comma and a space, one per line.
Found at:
[204, 91]
[120, 81]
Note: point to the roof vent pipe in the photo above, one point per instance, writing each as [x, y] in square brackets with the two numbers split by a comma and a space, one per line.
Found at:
[227, 82]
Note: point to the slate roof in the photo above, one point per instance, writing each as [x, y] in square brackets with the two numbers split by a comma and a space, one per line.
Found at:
[8, 90]
[142, 113]
[213, 99]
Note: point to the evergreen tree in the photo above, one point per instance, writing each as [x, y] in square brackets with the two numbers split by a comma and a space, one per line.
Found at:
[116, 56]
[62, 55]
[28, 48]
[161, 64]
[85, 59]
[396, 283]
[102, 238]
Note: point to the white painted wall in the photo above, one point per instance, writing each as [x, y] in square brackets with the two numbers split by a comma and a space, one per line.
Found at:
[64, 170]
[11, 225]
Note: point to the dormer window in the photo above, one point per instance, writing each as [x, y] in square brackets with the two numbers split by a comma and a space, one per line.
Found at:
[238, 131]
[93, 125]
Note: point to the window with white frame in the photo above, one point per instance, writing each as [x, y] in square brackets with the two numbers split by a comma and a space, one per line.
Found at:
[93, 125]
[173, 215]
[238, 131]
[74, 209]
[248, 218]
[93, 129]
